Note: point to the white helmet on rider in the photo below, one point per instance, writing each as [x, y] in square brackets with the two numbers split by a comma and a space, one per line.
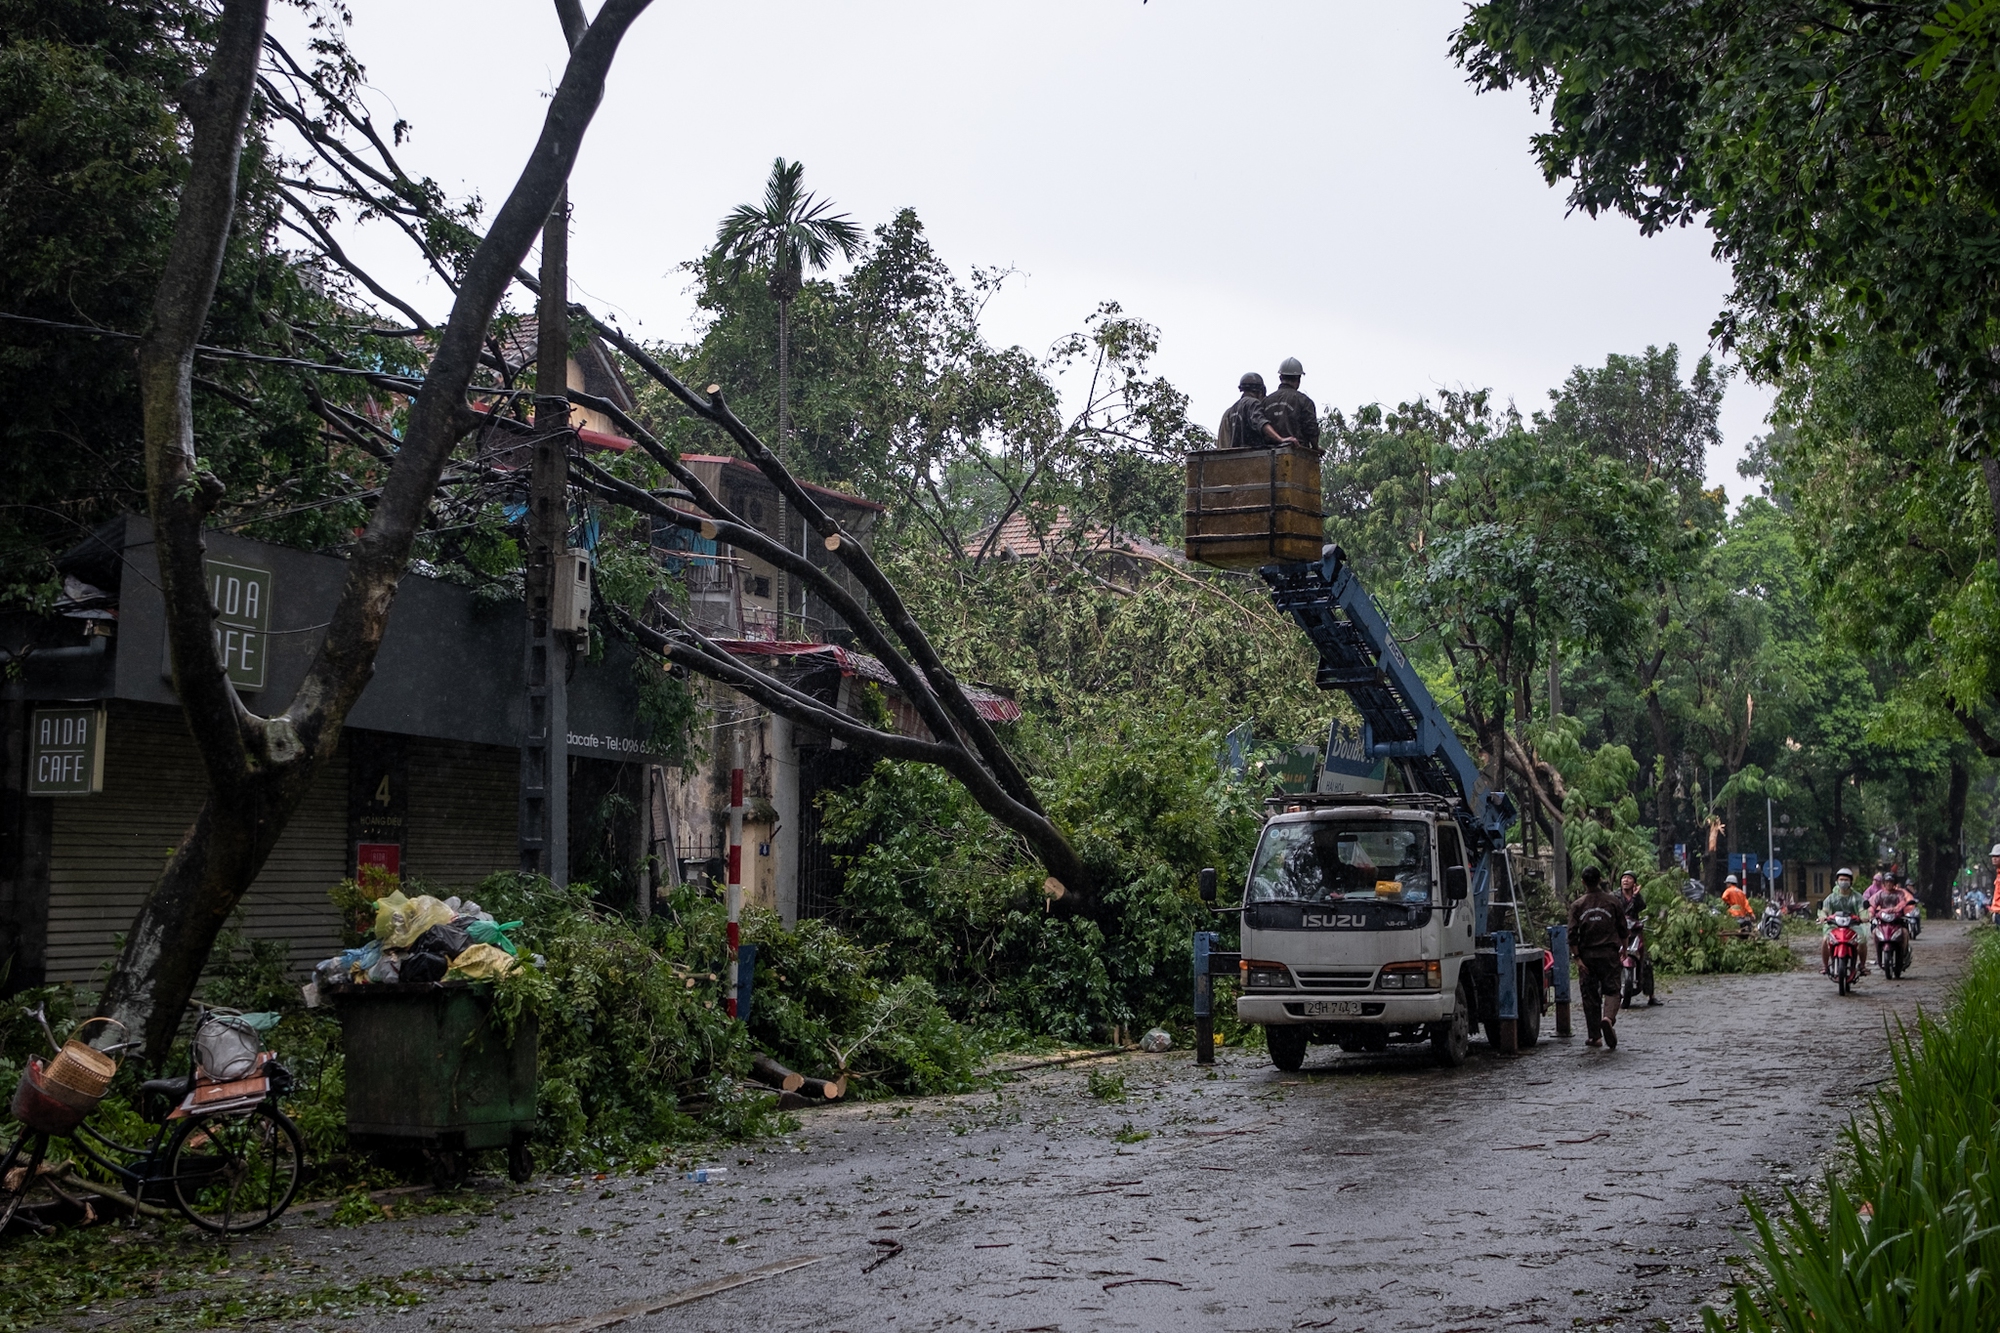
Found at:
[1844, 873]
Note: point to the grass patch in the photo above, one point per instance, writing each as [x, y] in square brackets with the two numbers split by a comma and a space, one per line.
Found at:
[1908, 1235]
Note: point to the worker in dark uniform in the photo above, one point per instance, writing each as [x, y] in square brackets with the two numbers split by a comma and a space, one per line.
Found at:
[1246, 425]
[1291, 412]
[1597, 929]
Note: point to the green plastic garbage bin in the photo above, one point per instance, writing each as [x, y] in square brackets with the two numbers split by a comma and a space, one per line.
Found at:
[428, 1067]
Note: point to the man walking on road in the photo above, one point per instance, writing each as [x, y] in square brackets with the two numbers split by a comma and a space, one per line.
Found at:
[1291, 412]
[1597, 929]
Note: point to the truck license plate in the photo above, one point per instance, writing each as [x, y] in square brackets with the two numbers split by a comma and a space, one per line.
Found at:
[1331, 1008]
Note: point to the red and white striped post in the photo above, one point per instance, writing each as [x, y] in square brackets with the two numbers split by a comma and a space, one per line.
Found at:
[734, 892]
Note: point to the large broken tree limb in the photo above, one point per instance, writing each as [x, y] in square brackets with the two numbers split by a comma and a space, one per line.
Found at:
[259, 769]
[687, 647]
[712, 408]
[725, 526]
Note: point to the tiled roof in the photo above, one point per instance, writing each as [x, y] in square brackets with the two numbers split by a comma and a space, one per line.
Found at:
[1017, 539]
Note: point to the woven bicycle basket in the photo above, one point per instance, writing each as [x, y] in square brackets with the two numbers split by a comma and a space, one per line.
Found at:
[82, 1068]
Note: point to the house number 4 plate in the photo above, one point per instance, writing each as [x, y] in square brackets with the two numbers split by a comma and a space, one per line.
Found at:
[1331, 1008]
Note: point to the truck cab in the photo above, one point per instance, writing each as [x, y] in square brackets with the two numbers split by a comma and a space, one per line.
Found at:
[1361, 927]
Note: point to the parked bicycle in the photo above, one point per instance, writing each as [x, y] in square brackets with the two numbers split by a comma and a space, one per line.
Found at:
[223, 1154]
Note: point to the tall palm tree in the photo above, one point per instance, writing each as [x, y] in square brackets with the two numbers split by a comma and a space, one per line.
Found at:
[790, 234]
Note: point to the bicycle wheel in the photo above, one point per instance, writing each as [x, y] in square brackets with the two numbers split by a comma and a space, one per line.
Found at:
[21, 1184]
[235, 1173]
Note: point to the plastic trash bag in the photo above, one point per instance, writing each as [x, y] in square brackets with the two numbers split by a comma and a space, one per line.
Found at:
[1156, 1041]
[397, 925]
[481, 962]
[348, 966]
[386, 969]
[424, 966]
[494, 933]
[447, 938]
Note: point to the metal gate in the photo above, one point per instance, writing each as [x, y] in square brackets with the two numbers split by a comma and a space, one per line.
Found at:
[823, 769]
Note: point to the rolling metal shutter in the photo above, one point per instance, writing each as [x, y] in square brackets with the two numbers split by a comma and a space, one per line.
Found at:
[464, 812]
[106, 850]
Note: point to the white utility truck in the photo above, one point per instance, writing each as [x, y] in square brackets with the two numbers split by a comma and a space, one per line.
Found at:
[1375, 918]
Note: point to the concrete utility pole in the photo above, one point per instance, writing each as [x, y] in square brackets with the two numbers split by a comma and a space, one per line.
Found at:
[544, 811]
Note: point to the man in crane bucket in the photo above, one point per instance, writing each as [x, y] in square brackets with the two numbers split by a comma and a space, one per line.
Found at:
[1291, 412]
[1246, 425]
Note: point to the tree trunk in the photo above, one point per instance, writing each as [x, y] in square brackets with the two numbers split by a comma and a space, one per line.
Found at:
[1945, 854]
[785, 378]
[259, 769]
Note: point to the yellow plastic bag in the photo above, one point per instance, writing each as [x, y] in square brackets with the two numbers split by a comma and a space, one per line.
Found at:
[397, 924]
[481, 962]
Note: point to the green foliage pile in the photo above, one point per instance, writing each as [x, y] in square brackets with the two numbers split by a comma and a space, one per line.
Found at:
[1688, 937]
[825, 1006]
[1908, 1235]
[637, 1050]
[958, 902]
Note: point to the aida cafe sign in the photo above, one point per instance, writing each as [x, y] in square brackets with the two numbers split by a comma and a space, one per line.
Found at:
[241, 596]
[66, 751]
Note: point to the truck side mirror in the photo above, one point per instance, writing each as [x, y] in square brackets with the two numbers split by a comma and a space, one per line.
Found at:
[1455, 888]
[1207, 882]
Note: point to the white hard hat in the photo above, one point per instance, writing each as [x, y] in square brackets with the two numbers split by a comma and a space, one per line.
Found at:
[1843, 873]
[1995, 851]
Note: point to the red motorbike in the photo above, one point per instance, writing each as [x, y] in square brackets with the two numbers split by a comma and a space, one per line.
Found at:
[1845, 937]
[1892, 941]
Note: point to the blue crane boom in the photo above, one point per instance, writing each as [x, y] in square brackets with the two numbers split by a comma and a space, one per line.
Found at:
[1400, 719]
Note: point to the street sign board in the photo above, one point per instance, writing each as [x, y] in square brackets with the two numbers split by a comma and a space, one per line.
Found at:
[1776, 870]
[66, 751]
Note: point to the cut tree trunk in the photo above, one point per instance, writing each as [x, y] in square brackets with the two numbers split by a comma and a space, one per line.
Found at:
[831, 1090]
[766, 1070]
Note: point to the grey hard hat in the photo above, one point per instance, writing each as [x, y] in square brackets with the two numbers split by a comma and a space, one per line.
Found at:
[1732, 880]
[1290, 366]
[1251, 380]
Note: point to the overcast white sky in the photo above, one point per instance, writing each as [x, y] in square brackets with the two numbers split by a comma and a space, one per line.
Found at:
[1309, 179]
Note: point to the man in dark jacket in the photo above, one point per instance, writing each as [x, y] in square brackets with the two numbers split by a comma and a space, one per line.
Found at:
[1290, 411]
[1246, 425]
[1597, 929]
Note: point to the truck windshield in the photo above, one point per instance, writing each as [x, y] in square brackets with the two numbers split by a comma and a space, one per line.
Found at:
[1324, 862]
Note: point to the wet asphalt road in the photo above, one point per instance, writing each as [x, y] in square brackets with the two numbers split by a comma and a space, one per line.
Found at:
[1565, 1188]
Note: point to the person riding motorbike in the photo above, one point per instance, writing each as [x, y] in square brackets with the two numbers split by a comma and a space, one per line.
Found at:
[1993, 898]
[1842, 899]
[1895, 899]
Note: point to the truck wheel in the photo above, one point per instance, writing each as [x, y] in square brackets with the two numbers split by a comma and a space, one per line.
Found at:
[1452, 1038]
[1528, 1026]
[1287, 1045]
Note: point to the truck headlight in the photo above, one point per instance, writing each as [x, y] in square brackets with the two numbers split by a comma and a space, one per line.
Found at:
[1421, 974]
[1260, 975]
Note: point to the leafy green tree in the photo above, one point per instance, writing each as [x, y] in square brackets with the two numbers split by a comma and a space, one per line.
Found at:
[1844, 156]
[790, 234]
